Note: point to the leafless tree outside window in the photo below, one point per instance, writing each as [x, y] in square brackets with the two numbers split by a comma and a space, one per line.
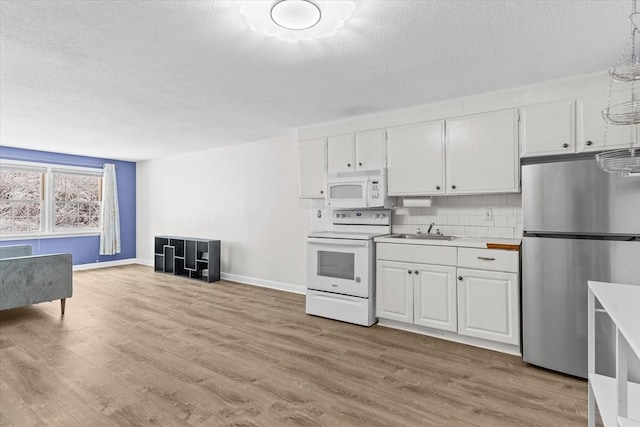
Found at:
[20, 200]
[77, 201]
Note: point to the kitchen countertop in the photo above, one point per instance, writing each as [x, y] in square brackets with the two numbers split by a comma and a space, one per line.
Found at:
[462, 242]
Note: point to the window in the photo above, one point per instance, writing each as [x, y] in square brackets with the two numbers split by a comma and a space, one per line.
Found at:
[40, 199]
[77, 201]
[21, 200]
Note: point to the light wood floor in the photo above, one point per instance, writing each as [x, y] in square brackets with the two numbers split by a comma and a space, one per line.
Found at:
[137, 348]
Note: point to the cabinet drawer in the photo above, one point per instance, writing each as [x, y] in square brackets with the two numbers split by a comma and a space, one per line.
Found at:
[441, 255]
[489, 259]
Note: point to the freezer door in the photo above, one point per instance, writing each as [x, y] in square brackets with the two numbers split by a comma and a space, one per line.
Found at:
[577, 197]
[555, 272]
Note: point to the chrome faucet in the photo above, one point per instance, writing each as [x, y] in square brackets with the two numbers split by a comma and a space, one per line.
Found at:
[430, 227]
[418, 230]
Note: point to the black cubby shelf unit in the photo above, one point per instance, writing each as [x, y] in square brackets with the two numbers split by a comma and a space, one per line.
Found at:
[188, 257]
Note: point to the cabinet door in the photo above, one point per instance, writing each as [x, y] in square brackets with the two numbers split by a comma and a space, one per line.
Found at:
[370, 150]
[547, 129]
[482, 153]
[434, 297]
[590, 126]
[313, 165]
[394, 291]
[488, 305]
[415, 159]
[340, 153]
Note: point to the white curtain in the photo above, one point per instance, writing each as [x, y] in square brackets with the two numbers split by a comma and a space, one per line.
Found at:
[110, 228]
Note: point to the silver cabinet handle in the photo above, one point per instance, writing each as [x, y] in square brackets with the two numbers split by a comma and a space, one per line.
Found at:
[484, 258]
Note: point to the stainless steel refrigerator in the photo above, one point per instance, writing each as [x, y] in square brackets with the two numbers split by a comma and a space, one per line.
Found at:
[580, 224]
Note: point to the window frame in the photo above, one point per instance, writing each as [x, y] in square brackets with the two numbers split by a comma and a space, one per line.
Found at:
[47, 218]
[33, 169]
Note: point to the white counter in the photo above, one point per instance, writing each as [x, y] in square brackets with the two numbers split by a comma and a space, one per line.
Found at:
[462, 242]
[617, 397]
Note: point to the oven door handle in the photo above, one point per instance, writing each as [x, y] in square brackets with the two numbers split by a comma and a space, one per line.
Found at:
[338, 242]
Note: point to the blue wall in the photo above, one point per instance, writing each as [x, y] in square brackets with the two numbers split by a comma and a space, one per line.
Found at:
[85, 249]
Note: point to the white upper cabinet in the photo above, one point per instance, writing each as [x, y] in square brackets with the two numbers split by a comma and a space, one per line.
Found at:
[547, 129]
[364, 151]
[370, 150]
[313, 165]
[590, 127]
[415, 159]
[482, 153]
[341, 153]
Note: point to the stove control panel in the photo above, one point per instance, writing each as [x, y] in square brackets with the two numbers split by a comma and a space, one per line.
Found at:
[362, 216]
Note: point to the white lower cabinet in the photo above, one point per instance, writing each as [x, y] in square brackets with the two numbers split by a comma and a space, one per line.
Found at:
[417, 293]
[473, 298]
[488, 305]
[394, 291]
[434, 297]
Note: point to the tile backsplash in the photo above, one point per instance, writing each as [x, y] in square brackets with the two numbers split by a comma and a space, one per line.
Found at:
[458, 215]
[465, 215]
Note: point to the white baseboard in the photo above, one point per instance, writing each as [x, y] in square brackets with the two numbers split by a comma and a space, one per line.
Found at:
[105, 264]
[247, 280]
[264, 283]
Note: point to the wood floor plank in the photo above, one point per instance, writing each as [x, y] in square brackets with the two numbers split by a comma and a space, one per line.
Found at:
[137, 348]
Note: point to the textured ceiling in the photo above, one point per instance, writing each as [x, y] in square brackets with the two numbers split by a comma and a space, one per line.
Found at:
[135, 80]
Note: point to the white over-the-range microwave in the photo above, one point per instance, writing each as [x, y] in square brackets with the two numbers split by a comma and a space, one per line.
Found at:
[358, 189]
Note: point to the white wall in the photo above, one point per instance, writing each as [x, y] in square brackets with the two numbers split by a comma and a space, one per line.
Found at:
[555, 90]
[245, 195]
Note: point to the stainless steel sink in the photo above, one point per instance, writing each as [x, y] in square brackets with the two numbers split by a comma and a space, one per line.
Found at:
[423, 236]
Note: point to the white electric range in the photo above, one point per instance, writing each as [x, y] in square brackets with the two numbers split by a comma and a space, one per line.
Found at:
[341, 266]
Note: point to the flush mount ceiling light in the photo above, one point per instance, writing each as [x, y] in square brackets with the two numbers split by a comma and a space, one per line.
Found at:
[293, 20]
[295, 14]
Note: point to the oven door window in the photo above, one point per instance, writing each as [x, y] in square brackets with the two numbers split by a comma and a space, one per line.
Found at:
[345, 191]
[340, 265]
